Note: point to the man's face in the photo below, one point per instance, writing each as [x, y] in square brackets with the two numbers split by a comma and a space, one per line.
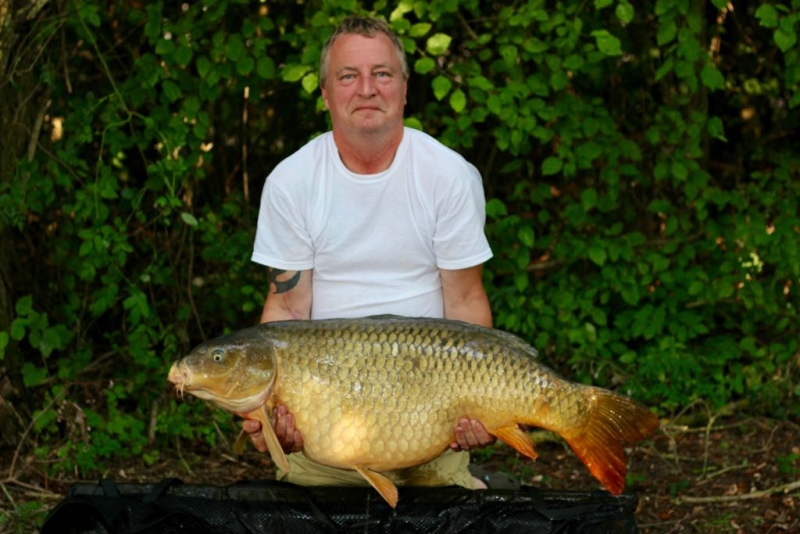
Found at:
[365, 91]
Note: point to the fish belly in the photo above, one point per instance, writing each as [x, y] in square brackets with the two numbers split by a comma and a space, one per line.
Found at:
[388, 401]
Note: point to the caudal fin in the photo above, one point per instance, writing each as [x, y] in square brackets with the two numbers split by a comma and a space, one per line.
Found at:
[612, 420]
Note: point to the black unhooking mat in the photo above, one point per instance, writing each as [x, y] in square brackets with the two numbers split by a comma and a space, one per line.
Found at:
[270, 507]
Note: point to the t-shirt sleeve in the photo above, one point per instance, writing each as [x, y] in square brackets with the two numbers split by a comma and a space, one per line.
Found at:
[459, 240]
[282, 238]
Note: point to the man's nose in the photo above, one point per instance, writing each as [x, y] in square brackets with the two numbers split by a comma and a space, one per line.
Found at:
[366, 86]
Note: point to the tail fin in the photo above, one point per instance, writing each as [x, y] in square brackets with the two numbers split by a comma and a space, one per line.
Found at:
[611, 421]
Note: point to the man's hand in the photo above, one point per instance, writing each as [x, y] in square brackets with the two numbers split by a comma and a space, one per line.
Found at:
[471, 434]
[288, 436]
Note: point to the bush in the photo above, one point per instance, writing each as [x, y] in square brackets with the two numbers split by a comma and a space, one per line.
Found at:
[639, 162]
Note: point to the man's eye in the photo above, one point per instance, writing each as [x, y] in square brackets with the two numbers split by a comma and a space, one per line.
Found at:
[382, 74]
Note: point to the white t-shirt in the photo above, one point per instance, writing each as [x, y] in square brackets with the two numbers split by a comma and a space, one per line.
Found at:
[375, 242]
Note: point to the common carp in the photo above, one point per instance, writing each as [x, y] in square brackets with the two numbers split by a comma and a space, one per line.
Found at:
[382, 393]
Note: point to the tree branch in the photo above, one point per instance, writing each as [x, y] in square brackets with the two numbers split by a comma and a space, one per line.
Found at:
[783, 488]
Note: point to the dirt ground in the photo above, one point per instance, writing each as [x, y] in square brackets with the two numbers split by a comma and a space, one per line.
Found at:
[739, 475]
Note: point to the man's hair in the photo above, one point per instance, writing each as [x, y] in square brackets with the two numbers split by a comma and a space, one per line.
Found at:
[368, 27]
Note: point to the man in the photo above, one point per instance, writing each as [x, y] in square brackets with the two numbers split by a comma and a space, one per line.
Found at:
[372, 218]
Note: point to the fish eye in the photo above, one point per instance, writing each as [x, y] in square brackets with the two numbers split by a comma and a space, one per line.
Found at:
[217, 355]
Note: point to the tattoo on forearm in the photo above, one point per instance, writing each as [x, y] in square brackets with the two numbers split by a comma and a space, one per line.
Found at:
[286, 285]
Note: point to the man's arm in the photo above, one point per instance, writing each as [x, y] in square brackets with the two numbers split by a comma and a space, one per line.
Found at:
[464, 296]
[465, 300]
[289, 297]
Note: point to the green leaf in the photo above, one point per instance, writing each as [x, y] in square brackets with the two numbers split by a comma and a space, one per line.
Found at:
[164, 46]
[188, 218]
[171, 90]
[590, 332]
[625, 12]
[413, 122]
[265, 68]
[767, 15]
[17, 330]
[589, 151]
[526, 236]
[441, 86]
[4, 341]
[183, 55]
[573, 62]
[245, 65]
[712, 78]
[234, 48]
[607, 43]
[664, 6]
[664, 69]
[310, 82]
[89, 13]
[402, 8]
[424, 65]
[495, 208]
[152, 28]
[55, 338]
[32, 375]
[458, 100]
[294, 73]
[510, 54]
[438, 43]
[551, 165]
[24, 305]
[597, 254]
[697, 287]
[679, 171]
[785, 38]
[559, 80]
[589, 198]
[716, 128]
[419, 29]
[667, 31]
[203, 65]
[600, 4]
[521, 281]
[795, 100]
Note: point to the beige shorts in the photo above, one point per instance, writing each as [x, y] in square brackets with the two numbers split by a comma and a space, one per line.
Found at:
[448, 469]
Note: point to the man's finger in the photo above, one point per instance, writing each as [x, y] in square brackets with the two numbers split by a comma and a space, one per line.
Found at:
[251, 426]
[253, 429]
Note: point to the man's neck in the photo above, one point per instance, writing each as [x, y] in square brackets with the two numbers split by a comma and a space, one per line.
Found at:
[369, 153]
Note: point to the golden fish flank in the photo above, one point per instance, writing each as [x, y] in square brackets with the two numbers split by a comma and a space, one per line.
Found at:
[384, 393]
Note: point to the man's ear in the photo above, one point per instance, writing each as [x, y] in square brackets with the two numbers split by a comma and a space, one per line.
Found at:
[325, 97]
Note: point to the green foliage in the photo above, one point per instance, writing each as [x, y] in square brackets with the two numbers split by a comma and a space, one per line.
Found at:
[25, 517]
[639, 163]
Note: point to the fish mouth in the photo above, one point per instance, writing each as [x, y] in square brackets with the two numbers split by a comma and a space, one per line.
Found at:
[179, 377]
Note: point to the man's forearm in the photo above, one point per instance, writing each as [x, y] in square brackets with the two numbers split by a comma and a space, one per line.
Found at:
[475, 310]
[289, 296]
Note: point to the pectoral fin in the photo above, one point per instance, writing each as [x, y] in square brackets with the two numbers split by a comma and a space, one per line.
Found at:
[273, 445]
[517, 438]
[383, 485]
[241, 442]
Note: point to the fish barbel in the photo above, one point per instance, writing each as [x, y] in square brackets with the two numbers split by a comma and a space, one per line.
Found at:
[382, 393]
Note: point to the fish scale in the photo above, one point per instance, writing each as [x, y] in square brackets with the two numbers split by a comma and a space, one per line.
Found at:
[384, 393]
